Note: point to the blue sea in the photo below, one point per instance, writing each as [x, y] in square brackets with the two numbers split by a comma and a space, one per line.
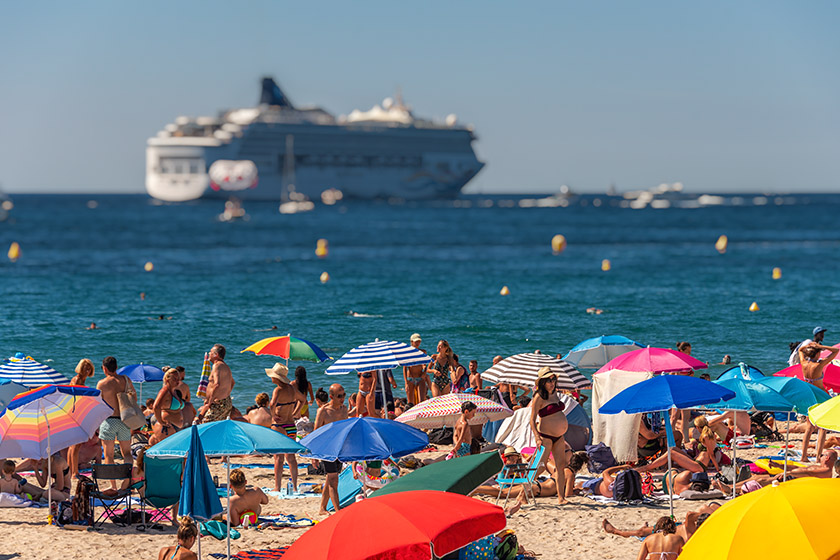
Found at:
[396, 269]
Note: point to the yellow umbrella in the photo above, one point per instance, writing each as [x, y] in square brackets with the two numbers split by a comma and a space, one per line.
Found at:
[788, 520]
[826, 414]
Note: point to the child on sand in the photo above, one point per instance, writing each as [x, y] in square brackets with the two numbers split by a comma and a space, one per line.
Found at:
[187, 533]
[245, 503]
[12, 483]
[463, 434]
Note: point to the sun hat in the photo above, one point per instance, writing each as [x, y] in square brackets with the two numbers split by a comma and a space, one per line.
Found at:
[818, 330]
[415, 336]
[83, 362]
[509, 450]
[280, 373]
[545, 372]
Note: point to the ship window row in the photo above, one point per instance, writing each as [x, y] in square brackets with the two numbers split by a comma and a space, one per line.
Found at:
[180, 166]
[351, 160]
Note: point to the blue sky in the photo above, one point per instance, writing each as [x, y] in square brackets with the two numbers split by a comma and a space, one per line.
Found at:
[722, 96]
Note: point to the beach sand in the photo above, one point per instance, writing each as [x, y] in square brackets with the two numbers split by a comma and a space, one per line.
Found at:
[551, 531]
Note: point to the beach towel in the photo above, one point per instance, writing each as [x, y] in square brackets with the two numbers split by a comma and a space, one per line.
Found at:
[206, 368]
[293, 496]
[619, 431]
[14, 501]
[218, 530]
[284, 521]
[256, 554]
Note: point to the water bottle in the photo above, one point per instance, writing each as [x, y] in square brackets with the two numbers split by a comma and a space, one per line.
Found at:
[289, 490]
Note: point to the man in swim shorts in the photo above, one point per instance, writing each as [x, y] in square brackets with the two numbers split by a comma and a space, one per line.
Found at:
[416, 386]
[333, 411]
[113, 428]
[463, 434]
[217, 402]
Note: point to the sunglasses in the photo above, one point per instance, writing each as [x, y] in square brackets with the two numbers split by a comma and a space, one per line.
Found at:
[340, 396]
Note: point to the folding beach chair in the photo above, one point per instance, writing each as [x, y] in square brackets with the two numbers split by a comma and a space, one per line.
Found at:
[111, 502]
[163, 488]
[520, 473]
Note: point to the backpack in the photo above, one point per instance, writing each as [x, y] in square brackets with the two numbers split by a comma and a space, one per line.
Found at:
[628, 486]
[441, 436]
[600, 458]
[508, 547]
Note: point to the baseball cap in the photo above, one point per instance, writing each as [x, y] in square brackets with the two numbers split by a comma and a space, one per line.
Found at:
[818, 330]
[415, 336]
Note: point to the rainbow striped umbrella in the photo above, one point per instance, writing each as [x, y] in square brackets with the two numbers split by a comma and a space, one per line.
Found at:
[50, 417]
[288, 347]
[444, 411]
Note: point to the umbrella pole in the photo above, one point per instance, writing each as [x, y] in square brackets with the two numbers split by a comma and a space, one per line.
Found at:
[227, 462]
[49, 470]
[787, 439]
[384, 412]
[734, 457]
[199, 541]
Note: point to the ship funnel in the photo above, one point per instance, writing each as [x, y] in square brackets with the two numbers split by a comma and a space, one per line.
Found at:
[273, 95]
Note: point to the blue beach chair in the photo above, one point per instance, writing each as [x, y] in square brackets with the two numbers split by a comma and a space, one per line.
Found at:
[520, 474]
[348, 488]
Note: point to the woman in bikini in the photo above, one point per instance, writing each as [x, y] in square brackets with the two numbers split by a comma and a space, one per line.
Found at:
[84, 369]
[304, 387]
[285, 403]
[549, 424]
[664, 543]
[440, 369]
[812, 372]
[60, 472]
[366, 397]
[168, 407]
[187, 533]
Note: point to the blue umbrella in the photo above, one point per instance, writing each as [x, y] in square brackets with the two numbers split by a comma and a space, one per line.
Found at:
[742, 371]
[141, 373]
[664, 392]
[803, 395]
[22, 369]
[223, 439]
[378, 355]
[596, 352]
[199, 498]
[8, 391]
[361, 439]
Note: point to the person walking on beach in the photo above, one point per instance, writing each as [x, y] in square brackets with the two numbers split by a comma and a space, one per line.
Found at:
[415, 377]
[549, 424]
[217, 402]
[439, 368]
[112, 428]
[331, 412]
[286, 401]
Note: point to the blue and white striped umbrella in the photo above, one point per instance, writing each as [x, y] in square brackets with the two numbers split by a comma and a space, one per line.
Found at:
[29, 373]
[378, 355]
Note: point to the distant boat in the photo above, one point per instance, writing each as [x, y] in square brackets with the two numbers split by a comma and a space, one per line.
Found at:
[385, 152]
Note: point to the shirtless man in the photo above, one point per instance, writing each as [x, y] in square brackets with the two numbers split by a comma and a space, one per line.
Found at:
[217, 401]
[333, 411]
[475, 377]
[286, 401]
[262, 414]
[112, 428]
[823, 469]
[366, 399]
[245, 502]
[416, 385]
[463, 434]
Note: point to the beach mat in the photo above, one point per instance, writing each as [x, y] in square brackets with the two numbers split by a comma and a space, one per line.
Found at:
[293, 496]
[257, 554]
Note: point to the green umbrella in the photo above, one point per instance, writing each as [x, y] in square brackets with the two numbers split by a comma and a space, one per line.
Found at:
[460, 476]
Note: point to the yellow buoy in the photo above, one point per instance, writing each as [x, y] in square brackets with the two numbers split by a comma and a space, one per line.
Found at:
[558, 243]
[325, 277]
[14, 251]
[777, 273]
[721, 244]
[605, 265]
[753, 306]
[322, 248]
[148, 267]
[504, 291]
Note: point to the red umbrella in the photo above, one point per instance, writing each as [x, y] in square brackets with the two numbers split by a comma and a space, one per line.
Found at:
[654, 360]
[406, 525]
[831, 375]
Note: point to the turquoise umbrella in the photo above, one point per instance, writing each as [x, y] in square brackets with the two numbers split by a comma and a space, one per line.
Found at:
[199, 498]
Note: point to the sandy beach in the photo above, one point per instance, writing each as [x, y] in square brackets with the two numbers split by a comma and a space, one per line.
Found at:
[550, 531]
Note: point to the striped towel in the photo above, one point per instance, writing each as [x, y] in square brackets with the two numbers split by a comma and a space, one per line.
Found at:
[201, 392]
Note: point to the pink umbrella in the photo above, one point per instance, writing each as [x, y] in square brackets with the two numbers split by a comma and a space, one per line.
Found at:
[654, 360]
[831, 375]
[444, 411]
[825, 353]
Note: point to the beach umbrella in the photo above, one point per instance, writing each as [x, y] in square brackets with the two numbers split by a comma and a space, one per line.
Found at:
[662, 393]
[49, 418]
[654, 360]
[742, 371]
[444, 411]
[199, 498]
[141, 373]
[223, 439]
[204, 379]
[521, 370]
[363, 439]
[461, 475]
[288, 347]
[596, 352]
[826, 415]
[407, 525]
[751, 396]
[22, 369]
[831, 375]
[788, 520]
[8, 391]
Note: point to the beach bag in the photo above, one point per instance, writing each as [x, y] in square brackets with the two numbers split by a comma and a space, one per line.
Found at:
[508, 547]
[130, 414]
[441, 436]
[628, 486]
[600, 458]
[82, 512]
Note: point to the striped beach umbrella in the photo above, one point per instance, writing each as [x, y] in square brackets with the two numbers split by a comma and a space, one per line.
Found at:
[288, 347]
[444, 411]
[522, 369]
[22, 369]
[595, 352]
[378, 355]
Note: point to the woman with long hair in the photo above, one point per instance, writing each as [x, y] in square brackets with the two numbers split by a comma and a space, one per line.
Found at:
[187, 534]
[549, 424]
[440, 369]
[304, 387]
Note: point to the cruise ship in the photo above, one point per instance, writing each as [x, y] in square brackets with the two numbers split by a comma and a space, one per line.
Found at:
[300, 152]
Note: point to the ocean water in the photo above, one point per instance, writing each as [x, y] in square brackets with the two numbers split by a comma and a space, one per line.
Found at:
[434, 268]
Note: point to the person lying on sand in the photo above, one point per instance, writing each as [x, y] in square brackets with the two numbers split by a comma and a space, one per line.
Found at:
[693, 520]
[823, 469]
[602, 486]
